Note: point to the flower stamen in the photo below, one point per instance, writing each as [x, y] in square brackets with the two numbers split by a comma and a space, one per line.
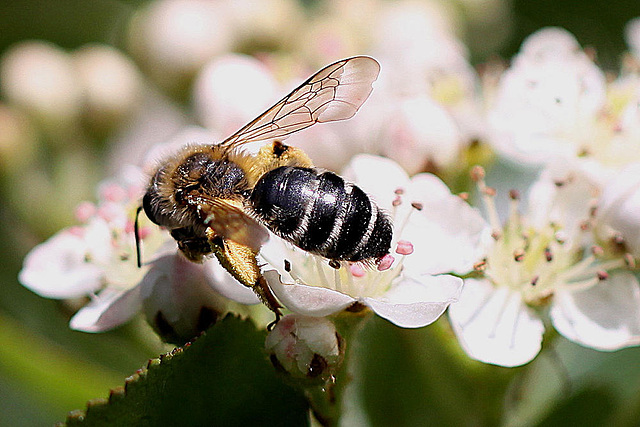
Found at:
[357, 270]
[386, 262]
[404, 247]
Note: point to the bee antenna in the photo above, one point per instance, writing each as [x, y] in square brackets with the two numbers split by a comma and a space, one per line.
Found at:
[136, 232]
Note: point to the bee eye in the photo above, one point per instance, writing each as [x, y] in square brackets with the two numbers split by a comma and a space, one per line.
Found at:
[148, 205]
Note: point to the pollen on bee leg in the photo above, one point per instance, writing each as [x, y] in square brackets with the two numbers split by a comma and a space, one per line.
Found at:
[404, 247]
[386, 262]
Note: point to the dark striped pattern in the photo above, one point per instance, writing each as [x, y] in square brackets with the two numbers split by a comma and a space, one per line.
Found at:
[321, 213]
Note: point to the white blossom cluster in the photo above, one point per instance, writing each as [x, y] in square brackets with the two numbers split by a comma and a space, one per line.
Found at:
[563, 255]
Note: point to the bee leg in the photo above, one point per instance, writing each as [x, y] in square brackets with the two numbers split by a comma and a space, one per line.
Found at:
[240, 261]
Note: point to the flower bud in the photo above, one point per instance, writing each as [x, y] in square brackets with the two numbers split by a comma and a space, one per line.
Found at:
[307, 348]
[178, 301]
[231, 90]
[265, 25]
[111, 85]
[174, 38]
[39, 77]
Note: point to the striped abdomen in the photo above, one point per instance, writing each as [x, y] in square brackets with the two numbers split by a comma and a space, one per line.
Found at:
[321, 213]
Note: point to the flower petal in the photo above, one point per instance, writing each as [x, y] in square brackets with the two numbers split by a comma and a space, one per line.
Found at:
[309, 300]
[378, 177]
[419, 130]
[108, 310]
[446, 233]
[494, 326]
[618, 208]
[414, 304]
[223, 283]
[57, 268]
[604, 317]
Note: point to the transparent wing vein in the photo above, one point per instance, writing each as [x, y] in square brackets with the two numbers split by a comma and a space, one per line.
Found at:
[336, 92]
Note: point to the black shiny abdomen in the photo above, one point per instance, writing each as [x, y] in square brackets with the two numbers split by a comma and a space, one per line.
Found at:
[321, 213]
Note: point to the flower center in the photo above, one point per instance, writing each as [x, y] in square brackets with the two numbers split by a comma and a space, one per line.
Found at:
[538, 261]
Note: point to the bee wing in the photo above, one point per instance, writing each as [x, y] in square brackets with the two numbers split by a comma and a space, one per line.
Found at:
[336, 92]
[231, 222]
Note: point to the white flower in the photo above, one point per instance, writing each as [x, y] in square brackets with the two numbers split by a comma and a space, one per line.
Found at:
[274, 24]
[425, 106]
[98, 260]
[231, 90]
[111, 84]
[555, 103]
[58, 268]
[546, 259]
[410, 292]
[548, 44]
[40, 78]
[547, 102]
[174, 38]
[419, 132]
[605, 317]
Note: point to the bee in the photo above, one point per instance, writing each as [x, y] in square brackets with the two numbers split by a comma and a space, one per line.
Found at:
[218, 199]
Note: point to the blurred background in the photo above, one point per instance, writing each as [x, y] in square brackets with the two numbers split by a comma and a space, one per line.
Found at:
[61, 135]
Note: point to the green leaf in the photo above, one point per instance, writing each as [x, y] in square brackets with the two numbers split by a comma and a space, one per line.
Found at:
[586, 408]
[223, 378]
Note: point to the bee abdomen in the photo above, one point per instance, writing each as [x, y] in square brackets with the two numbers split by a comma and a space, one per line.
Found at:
[321, 213]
